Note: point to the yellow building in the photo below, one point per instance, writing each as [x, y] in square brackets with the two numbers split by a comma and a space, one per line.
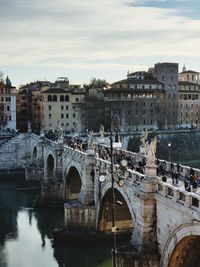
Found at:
[62, 108]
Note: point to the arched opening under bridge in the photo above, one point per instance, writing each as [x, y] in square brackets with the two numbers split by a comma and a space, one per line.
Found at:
[34, 153]
[186, 253]
[50, 167]
[123, 218]
[72, 184]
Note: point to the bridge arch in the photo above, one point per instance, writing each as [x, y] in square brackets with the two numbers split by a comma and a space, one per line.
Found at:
[72, 184]
[34, 154]
[183, 246]
[124, 218]
[50, 166]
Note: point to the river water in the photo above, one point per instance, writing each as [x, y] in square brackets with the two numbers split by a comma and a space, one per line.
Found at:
[26, 236]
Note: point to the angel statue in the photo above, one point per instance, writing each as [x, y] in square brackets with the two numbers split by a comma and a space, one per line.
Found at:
[116, 125]
[151, 155]
[101, 131]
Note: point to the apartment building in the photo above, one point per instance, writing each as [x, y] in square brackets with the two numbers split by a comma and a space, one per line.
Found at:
[62, 108]
[138, 100]
[7, 105]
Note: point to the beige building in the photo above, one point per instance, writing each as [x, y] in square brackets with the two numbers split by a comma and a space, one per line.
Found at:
[189, 104]
[189, 76]
[62, 108]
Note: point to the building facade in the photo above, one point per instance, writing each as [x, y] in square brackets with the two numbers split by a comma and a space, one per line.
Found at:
[7, 106]
[167, 73]
[62, 108]
[189, 76]
[29, 105]
[189, 104]
[138, 100]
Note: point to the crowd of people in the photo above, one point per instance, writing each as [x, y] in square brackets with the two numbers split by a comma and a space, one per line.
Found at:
[190, 180]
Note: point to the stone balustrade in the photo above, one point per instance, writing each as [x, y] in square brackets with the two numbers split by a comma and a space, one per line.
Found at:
[182, 197]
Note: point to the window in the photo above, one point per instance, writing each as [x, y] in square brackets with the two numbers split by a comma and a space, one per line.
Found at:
[62, 98]
[8, 99]
[49, 115]
[62, 115]
[8, 108]
[62, 124]
[67, 115]
[55, 98]
[49, 107]
[77, 99]
[61, 107]
[67, 107]
[74, 115]
[49, 98]
[67, 98]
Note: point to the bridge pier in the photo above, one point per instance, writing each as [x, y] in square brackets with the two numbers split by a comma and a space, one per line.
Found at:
[80, 216]
[87, 189]
[143, 251]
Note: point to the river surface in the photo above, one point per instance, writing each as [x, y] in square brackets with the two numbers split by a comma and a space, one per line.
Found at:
[26, 236]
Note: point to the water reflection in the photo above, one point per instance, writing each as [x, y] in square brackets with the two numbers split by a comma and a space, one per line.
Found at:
[26, 236]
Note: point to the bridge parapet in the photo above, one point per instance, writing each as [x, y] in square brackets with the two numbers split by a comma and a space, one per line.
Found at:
[182, 197]
[74, 154]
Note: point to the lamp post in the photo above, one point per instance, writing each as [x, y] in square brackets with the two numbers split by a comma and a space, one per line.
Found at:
[169, 147]
[114, 122]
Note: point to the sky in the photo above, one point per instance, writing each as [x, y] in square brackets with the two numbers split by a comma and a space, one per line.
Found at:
[83, 39]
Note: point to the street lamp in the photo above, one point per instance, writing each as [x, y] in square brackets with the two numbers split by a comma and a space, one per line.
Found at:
[114, 123]
[169, 147]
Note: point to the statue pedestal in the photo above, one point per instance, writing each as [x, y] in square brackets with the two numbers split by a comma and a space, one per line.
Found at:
[117, 145]
[151, 170]
[101, 140]
[60, 140]
[91, 152]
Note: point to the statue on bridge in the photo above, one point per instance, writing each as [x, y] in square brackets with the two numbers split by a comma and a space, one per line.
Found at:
[151, 154]
[143, 137]
[144, 144]
[101, 131]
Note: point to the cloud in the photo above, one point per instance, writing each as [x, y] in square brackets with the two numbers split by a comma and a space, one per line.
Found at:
[94, 34]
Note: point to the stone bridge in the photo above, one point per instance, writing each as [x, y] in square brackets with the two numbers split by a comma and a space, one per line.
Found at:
[164, 220]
